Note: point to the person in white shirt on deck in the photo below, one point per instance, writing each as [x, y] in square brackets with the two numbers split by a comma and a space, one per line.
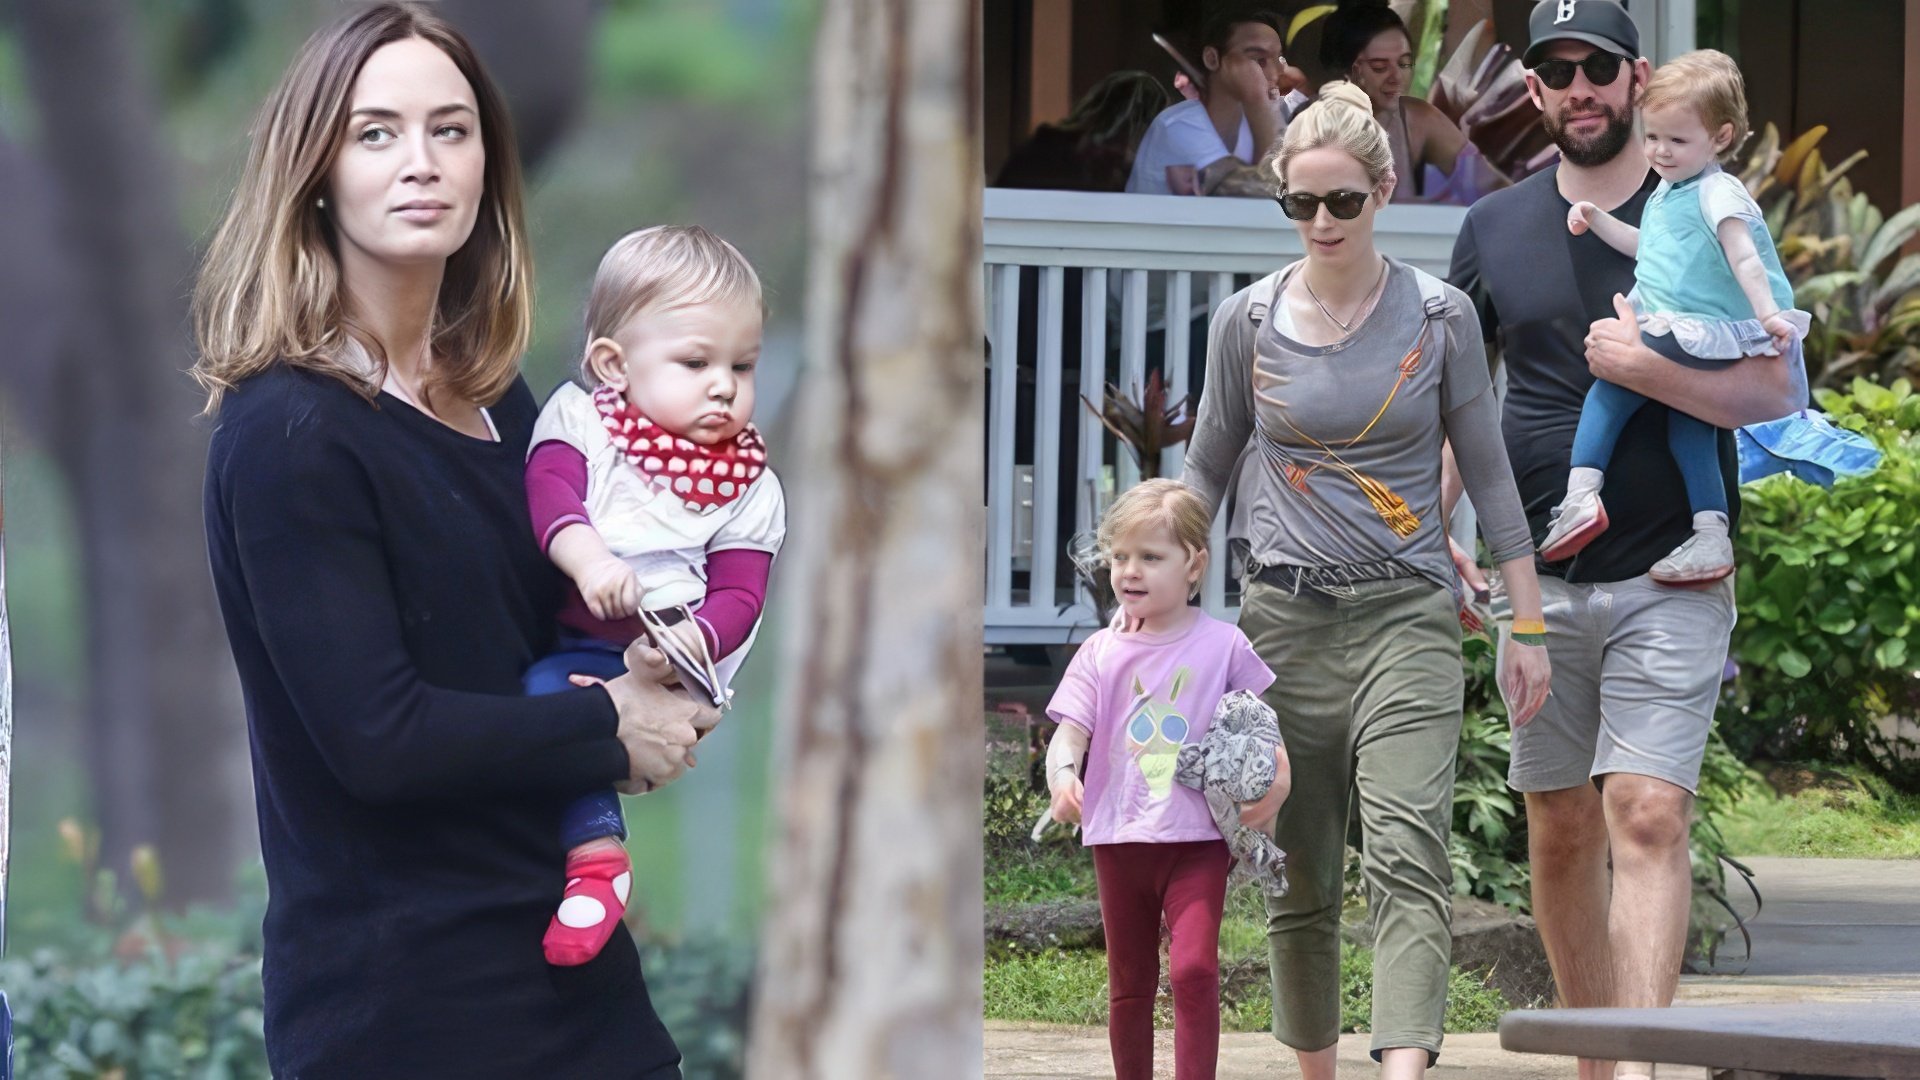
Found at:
[1209, 146]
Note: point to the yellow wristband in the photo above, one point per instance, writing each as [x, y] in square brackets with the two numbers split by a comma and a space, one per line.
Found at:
[1528, 626]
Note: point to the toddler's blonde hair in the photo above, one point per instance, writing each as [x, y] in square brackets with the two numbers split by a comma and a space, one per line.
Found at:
[1341, 116]
[665, 267]
[1708, 82]
[1157, 502]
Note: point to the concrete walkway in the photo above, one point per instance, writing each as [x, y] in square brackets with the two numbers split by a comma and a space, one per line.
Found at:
[1831, 929]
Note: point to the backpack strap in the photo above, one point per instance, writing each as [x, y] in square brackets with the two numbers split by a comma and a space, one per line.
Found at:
[1258, 308]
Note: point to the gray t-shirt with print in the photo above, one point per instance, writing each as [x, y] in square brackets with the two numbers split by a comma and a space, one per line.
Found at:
[1348, 437]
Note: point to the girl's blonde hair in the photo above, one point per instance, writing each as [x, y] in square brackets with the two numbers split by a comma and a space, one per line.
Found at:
[269, 289]
[1341, 116]
[1708, 82]
[1169, 503]
[665, 267]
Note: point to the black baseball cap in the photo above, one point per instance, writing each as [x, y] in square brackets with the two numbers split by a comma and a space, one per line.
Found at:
[1601, 23]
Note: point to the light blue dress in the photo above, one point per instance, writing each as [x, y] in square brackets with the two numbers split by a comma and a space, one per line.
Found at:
[1683, 285]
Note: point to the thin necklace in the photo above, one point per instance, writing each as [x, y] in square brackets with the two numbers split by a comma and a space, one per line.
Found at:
[1346, 328]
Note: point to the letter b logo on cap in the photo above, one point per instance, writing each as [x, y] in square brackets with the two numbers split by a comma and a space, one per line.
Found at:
[1564, 11]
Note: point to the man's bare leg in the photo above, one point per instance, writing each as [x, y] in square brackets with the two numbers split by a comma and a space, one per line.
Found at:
[1567, 843]
[1648, 820]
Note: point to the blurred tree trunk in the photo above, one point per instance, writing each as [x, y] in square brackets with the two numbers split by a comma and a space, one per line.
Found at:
[166, 750]
[872, 957]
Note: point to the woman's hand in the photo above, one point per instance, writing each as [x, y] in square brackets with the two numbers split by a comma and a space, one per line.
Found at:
[1474, 595]
[1068, 793]
[610, 588]
[1525, 676]
[658, 725]
[1260, 814]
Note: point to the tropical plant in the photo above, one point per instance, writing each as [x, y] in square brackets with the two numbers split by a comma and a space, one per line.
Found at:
[1842, 257]
[1146, 426]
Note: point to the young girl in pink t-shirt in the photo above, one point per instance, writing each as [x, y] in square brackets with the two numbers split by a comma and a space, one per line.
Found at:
[1128, 702]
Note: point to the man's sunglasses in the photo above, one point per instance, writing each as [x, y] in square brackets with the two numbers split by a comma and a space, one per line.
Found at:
[1601, 68]
[1302, 206]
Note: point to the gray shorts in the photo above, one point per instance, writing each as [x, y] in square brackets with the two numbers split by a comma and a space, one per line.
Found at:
[1636, 676]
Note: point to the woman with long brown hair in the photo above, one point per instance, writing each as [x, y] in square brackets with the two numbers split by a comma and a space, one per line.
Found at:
[360, 315]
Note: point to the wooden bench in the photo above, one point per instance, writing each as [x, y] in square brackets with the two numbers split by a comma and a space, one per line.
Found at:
[1741, 1042]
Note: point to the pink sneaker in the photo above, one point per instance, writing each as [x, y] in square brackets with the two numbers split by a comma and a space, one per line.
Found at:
[1578, 519]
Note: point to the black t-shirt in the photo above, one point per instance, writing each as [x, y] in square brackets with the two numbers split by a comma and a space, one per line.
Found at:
[1538, 289]
[383, 592]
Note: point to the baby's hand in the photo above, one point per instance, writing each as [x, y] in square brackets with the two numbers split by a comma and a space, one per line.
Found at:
[687, 633]
[1782, 329]
[1581, 216]
[611, 590]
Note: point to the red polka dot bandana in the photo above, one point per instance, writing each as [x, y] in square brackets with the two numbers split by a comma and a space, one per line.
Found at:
[704, 477]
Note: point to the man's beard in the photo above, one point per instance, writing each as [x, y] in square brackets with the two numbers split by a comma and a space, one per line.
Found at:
[1598, 149]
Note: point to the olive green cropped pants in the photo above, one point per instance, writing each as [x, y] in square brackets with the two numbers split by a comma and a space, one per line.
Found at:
[1369, 694]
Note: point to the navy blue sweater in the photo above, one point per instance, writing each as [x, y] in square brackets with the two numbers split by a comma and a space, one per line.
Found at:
[383, 593]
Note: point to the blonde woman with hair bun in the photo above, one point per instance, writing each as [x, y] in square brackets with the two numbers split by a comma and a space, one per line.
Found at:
[1347, 370]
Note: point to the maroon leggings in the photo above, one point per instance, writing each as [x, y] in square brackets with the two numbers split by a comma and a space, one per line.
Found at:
[1186, 882]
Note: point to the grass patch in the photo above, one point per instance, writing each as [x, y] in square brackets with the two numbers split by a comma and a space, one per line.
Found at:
[1027, 873]
[1053, 987]
[1856, 816]
[1071, 987]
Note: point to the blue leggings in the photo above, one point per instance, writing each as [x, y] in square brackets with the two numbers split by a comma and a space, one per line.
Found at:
[1694, 443]
[589, 817]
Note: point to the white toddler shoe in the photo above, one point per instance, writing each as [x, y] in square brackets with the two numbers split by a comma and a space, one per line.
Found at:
[1705, 558]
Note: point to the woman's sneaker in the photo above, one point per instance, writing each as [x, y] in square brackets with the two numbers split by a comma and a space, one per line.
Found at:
[1578, 519]
[1706, 557]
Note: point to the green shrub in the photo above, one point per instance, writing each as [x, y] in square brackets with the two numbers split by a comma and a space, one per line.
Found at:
[169, 997]
[1829, 598]
[1488, 848]
[195, 1016]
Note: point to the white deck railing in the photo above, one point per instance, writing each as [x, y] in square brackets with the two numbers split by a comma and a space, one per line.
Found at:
[1037, 459]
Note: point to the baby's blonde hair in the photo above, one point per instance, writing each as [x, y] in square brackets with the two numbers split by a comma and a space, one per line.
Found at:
[1341, 116]
[665, 267]
[1157, 502]
[1708, 82]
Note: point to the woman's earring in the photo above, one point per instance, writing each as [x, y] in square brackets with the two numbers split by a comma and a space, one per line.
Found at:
[321, 202]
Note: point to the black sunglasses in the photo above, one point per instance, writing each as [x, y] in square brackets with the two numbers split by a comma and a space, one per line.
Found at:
[1601, 67]
[1301, 206]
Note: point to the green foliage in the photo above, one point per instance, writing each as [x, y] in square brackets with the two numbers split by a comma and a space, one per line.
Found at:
[1029, 873]
[1838, 252]
[697, 52]
[195, 1016]
[1011, 807]
[1829, 599]
[701, 990]
[1071, 988]
[128, 997]
[1052, 987]
[1860, 816]
[1488, 848]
